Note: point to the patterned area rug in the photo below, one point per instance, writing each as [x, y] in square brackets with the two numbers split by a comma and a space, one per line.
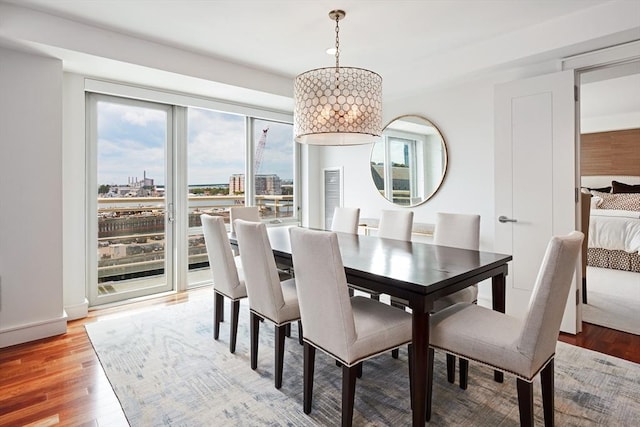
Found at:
[166, 369]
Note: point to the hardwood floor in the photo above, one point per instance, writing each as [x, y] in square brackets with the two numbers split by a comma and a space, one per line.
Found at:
[604, 340]
[59, 380]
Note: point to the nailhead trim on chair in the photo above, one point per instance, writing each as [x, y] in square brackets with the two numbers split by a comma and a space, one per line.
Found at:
[227, 296]
[271, 320]
[495, 367]
[370, 356]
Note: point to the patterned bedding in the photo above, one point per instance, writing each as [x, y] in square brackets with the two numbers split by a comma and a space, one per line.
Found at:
[614, 227]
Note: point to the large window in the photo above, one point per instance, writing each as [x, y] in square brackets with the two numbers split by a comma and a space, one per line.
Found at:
[156, 167]
[273, 169]
[216, 159]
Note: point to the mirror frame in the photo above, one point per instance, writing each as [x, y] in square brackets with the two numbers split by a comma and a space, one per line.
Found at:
[425, 197]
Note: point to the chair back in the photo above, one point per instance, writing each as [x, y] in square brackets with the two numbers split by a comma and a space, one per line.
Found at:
[323, 295]
[221, 261]
[457, 230]
[546, 306]
[395, 224]
[345, 220]
[247, 213]
[260, 274]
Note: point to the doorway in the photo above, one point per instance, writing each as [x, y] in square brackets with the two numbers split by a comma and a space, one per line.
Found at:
[130, 142]
[610, 150]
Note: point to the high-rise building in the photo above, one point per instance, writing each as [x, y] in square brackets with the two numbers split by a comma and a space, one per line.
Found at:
[236, 183]
[265, 184]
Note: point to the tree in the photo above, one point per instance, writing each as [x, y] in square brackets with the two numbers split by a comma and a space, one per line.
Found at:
[103, 189]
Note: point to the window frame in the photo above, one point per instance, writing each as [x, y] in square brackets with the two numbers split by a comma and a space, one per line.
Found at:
[180, 103]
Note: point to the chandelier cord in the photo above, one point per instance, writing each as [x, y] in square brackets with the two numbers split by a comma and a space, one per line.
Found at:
[337, 50]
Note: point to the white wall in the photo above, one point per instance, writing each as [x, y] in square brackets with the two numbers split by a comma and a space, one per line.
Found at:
[31, 204]
[74, 190]
[464, 114]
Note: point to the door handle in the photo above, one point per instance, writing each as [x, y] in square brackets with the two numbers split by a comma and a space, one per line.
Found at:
[503, 218]
[171, 213]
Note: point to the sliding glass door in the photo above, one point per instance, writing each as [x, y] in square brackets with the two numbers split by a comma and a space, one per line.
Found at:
[132, 234]
[155, 167]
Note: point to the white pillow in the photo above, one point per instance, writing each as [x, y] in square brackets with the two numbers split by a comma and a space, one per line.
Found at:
[595, 202]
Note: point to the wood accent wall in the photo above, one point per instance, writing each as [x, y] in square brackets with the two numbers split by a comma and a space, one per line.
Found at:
[610, 153]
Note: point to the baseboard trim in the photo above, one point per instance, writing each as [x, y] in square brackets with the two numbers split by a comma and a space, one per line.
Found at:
[77, 311]
[33, 331]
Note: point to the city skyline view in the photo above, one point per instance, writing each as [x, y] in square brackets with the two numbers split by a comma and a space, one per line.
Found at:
[131, 143]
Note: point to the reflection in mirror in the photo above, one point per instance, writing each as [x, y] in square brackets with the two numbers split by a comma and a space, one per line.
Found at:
[409, 161]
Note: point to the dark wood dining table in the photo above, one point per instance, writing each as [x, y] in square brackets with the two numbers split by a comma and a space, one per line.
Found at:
[419, 273]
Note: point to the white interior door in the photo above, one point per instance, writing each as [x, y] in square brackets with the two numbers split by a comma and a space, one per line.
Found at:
[535, 179]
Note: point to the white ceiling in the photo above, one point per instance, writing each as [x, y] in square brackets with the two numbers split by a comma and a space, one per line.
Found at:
[414, 44]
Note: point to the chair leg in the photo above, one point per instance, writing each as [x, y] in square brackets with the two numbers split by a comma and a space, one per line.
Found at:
[300, 335]
[451, 368]
[349, 375]
[430, 357]
[394, 353]
[548, 390]
[359, 369]
[396, 304]
[218, 307]
[281, 332]
[255, 328]
[584, 290]
[235, 312]
[222, 309]
[525, 402]
[464, 373]
[287, 330]
[309, 364]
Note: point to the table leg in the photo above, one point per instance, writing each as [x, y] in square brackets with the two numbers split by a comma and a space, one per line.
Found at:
[498, 285]
[420, 354]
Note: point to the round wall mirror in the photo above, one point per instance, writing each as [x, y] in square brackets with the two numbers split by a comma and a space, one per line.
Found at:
[409, 161]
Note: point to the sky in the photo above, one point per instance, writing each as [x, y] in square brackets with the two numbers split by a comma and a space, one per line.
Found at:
[131, 140]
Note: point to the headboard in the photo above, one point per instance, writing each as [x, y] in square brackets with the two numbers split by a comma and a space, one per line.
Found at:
[599, 181]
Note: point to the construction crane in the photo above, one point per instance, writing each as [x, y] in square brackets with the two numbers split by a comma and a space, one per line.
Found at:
[260, 149]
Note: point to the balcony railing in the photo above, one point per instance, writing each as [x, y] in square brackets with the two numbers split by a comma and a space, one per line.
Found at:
[131, 231]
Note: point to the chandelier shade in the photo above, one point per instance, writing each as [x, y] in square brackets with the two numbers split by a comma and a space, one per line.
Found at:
[337, 105]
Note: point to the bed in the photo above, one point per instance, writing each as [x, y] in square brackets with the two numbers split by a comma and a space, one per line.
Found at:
[614, 223]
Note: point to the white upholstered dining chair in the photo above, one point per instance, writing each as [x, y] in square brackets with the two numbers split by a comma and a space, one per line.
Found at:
[349, 329]
[523, 347]
[345, 220]
[458, 231]
[269, 298]
[228, 278]
[247, 213]
[396, 224]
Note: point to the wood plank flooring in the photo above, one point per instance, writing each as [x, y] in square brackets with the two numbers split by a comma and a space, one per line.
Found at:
[59, 380]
